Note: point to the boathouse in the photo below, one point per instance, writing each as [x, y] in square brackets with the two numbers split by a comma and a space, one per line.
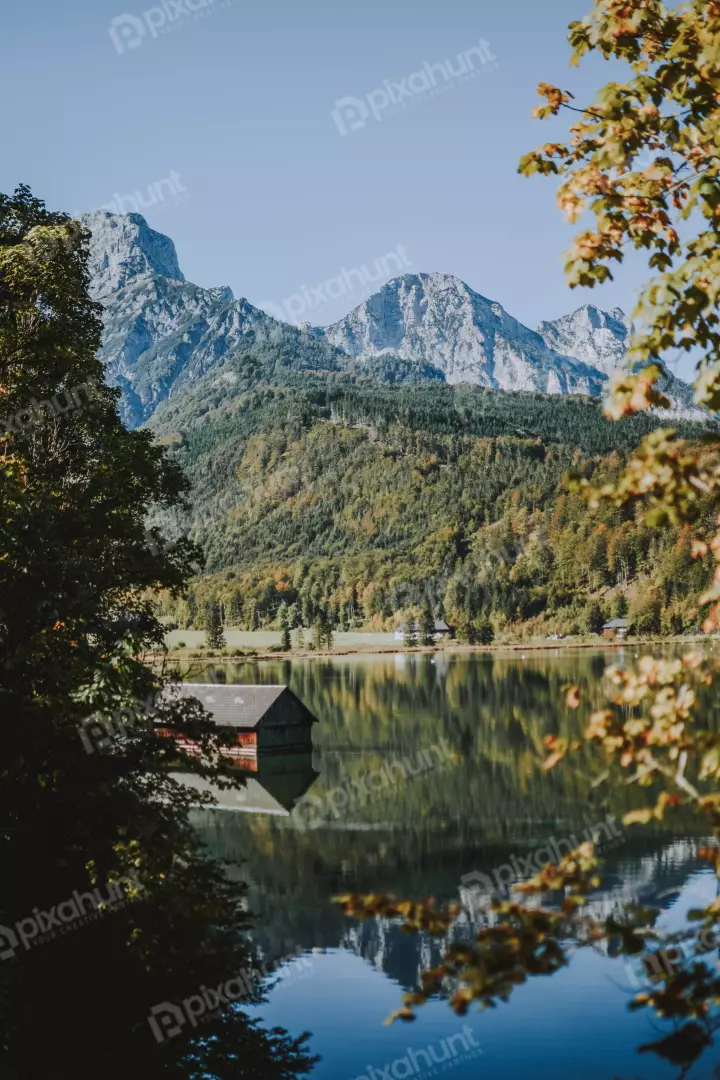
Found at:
[266, 719]
[616, 628]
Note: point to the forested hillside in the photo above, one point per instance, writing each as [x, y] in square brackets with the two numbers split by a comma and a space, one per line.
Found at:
[360, 498]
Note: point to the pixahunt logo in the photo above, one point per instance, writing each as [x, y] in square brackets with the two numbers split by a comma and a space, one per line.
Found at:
[294, 307]
[71, 914]
[169, 1018]
[520, 867]
[129, 31]
[37, 413]
[428, 1061]
[97, 732]
[312, 811]
[169, 189]
[352, 113]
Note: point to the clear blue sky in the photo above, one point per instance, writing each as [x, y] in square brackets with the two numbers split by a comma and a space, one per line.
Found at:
[236, 102]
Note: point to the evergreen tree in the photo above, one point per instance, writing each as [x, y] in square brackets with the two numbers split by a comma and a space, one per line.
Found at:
[214, 635]
[411, 631]
[594, 619]
[284, 624]
[620, 606]
[236, 609]
[322, 631]
[293, 616]
[485, 635]
[308, 610]
[251, 615]
[427, 624]
[192, 610]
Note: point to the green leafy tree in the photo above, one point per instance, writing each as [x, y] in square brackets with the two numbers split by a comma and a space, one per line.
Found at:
[485, 635]
[645, 612]
[77, 575]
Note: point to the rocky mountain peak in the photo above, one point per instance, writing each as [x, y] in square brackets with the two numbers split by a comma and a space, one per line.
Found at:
[599, 338]
[124, 247]
[438, 319]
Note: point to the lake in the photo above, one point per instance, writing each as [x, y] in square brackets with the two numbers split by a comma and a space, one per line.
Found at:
[425, 781]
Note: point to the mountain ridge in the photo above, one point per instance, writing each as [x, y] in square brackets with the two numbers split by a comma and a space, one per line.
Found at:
[163, 333]
[440, 319]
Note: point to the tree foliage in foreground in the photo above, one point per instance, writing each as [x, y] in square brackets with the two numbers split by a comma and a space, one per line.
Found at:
[76, 570]
[652, 733]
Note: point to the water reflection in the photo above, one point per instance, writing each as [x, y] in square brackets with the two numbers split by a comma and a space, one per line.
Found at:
[274, 784]
[421, 834]
[492, 711]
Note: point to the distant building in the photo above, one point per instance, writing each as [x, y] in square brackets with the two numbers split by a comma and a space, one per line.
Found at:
[442, 630]
[266, 719]
[616, 628]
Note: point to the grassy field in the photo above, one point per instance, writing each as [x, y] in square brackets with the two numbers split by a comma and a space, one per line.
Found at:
[262, 643]
[262, 639]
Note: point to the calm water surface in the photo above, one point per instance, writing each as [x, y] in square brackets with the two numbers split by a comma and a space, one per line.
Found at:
[424, 771]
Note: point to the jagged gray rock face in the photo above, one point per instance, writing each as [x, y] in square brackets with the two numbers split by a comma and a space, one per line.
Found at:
[163, 333]
[438, 319]
[598, 338]
[124, 247]
[601, 339]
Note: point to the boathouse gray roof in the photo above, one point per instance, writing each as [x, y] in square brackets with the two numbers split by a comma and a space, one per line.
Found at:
[231, 705]
[617, 624]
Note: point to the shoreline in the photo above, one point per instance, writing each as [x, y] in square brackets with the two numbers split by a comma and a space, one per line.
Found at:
[177, 656]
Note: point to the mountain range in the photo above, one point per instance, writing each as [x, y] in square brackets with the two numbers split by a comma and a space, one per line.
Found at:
[163, 333]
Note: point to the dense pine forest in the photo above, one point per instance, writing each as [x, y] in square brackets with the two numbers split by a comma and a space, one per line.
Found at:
[366, 500]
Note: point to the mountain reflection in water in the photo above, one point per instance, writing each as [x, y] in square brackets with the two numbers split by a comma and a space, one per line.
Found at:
[490, 807]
